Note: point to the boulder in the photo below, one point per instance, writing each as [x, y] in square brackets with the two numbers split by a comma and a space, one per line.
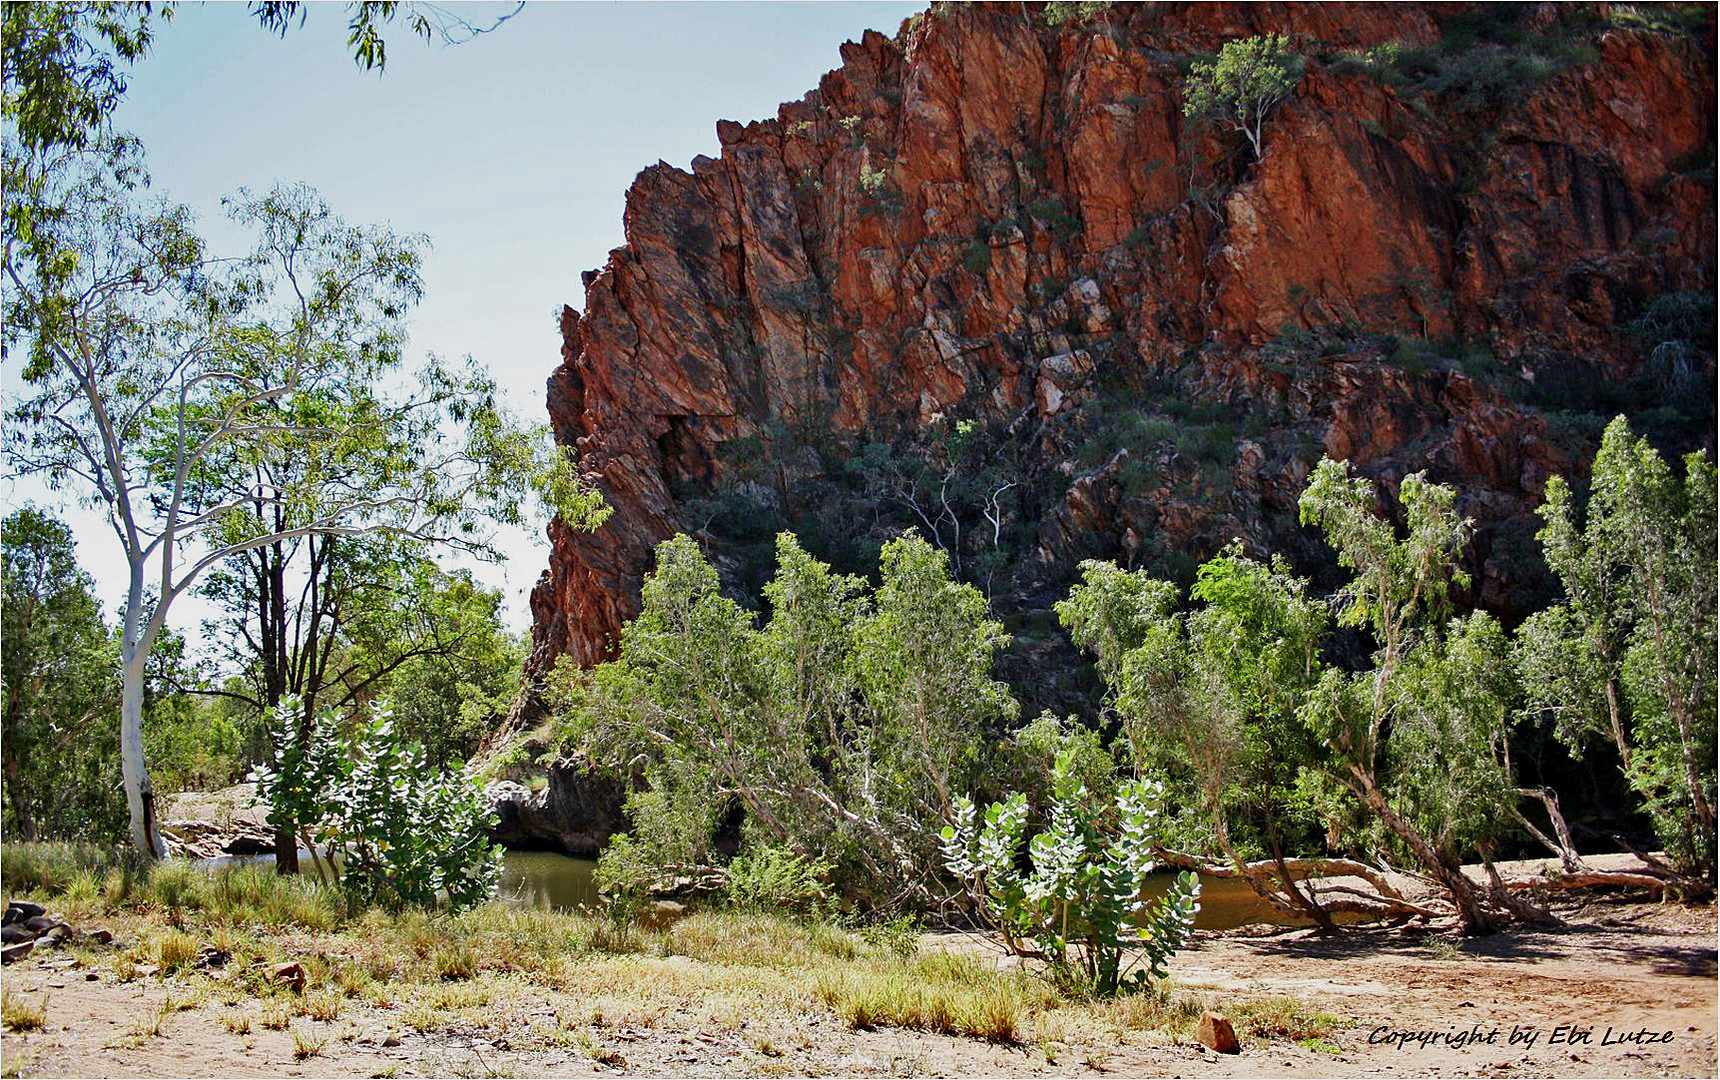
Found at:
[17, 951]
[1215, 1031]
[21, 910]
[577, 811]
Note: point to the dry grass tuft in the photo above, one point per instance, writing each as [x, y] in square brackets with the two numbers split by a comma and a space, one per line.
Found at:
[20, 1014]
[176, 950]
[306, 1045]
[945, 994]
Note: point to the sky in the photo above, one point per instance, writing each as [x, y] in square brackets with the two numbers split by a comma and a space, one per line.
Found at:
[513, 152]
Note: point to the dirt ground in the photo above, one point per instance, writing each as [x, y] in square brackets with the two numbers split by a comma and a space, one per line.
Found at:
[1570, 1002]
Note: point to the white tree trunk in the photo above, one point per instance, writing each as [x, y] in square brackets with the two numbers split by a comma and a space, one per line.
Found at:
[139, 792]
[137, 637]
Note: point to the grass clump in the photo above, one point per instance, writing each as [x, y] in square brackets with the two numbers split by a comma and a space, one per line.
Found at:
[20, 1014]
[1282, 1018]
[324, 1005]
[175, 951]
[944, 994]
[51, 867]
[306, 1045]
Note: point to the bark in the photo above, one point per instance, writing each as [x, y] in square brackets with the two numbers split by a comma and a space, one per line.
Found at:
[1476, 919]
[139, 790]
[1516, 905]
[1314, 909]
[1564, 847]
[1589, 878]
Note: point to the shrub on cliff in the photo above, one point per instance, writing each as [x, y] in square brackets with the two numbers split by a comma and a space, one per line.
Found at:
[1241, 88]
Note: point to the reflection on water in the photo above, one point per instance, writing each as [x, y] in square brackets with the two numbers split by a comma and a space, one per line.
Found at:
[542, 879]
[547, 880]
[1227, 903]
[554, 882]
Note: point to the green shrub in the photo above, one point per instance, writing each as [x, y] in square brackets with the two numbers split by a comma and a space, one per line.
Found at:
[977, 258]
[403, 832]
[772, 878]
[1055, 217]
[873, 181]
[1085, 885]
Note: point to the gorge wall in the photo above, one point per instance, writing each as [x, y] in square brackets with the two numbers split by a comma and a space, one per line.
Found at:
[987, 282]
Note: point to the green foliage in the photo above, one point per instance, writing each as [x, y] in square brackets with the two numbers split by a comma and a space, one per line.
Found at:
[1453, 702]
[1487, 59]
[1036, 748]
[771, 878]
[1085, 885]
[977, 258]
[840, 729]
[381, 619]
[397, 831]
[1053, 215]
[58, 664]
[1243, 85]
[1064, 12]
[1208, 697]
[1379, 61]
[1629, 655]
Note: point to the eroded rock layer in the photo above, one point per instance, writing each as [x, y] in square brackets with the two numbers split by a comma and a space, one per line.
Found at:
[986, 281]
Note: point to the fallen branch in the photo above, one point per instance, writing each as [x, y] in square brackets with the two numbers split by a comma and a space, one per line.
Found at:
[1379, 905]
[1300, 869]
[1589, 879]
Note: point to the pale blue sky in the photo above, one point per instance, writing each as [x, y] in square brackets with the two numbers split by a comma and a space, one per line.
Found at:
[512, 151]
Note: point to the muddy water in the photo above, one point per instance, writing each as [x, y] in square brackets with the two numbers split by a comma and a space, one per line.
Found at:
[545, 880]
[552, 882]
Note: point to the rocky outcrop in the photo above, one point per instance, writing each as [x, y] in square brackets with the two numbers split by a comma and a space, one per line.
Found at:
[576, 811]
[1154, 336]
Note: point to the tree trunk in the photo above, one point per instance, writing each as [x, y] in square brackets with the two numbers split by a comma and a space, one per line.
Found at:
[20, 792]
[1516, 905]
[1564, 847]
[1476, 919]
[139, 791]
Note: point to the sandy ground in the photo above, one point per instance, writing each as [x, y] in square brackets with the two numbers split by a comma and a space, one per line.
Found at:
[1566, 997]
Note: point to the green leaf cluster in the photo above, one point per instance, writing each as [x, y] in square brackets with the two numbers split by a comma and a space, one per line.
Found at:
[1082, 899]
[395, 831]
[1239, 89]
[1628, 656]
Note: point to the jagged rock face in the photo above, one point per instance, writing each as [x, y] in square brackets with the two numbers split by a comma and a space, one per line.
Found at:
[999, 221]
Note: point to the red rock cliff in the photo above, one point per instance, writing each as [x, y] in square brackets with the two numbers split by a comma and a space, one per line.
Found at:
[1445, 259]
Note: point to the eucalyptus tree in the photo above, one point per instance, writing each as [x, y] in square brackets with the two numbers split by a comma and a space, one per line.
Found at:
[1436, 696]
[1212, 692]
[340, 620]
[161, 384]
[1628, 656]
[845, 728]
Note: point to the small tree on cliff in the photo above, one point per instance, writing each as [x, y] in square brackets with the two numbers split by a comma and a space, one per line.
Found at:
[1242, 87]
